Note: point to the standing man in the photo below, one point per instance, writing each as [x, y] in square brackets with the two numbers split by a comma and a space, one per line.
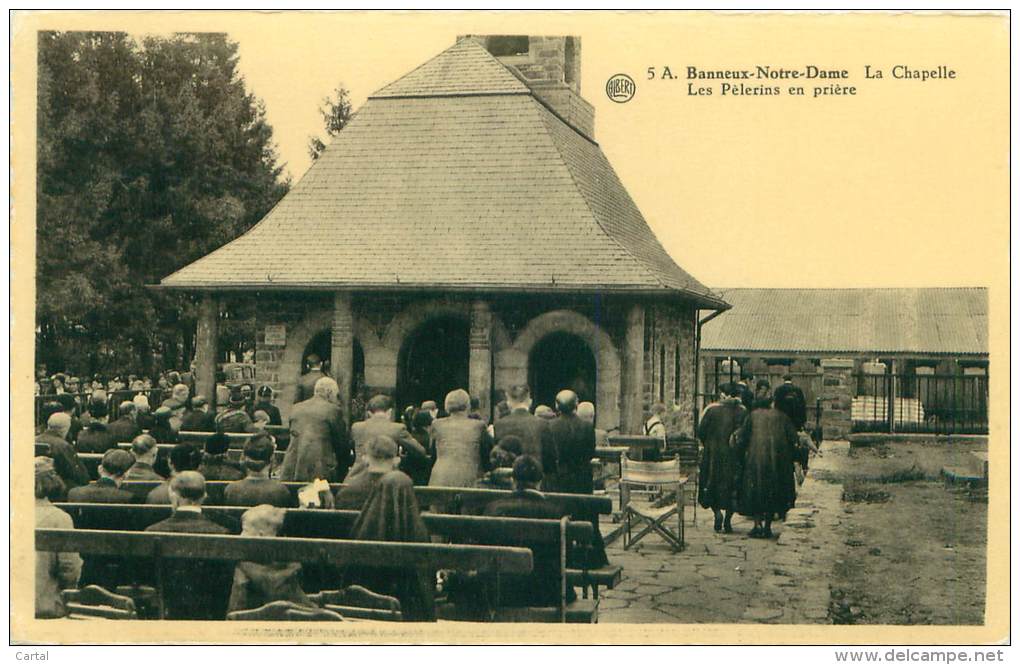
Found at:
[789, 399]
[718, 475]
[319, 447]
[380, 423]
[306, 385]
[586, 412]
[523, 424]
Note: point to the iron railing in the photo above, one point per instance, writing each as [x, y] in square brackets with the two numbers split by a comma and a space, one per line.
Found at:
[923, 403]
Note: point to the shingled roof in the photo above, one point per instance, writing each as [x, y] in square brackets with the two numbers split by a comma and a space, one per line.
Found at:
[937, 321]
[453, 177]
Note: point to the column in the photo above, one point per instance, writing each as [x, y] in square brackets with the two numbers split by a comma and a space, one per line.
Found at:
[342, 348]
[837, 397]
[206, 344]
[480, 358]
[633, 371]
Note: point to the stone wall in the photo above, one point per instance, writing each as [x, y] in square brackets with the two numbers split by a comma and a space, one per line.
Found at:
[837, 397]
[670, 373]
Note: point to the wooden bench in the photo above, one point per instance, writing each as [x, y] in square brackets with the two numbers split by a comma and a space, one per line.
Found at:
[336, 553]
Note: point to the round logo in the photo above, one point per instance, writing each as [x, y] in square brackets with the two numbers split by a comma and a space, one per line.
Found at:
[620, 88]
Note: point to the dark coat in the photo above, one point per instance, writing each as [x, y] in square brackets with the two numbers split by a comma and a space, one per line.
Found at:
[717, 477]
[196, 589]
[123, 429]
[96, 438]
[255, 491]
[319, 446]
[142, 471]
[103, 490]
[163, 434]
[195, 420]
[234, 420]
[789, 399]
[306, 385]
[526, 426]
[218, 467]
[353, 494]
[571, 445]
[271, 411]
[746, 396]
[65, 460]
[767, 443]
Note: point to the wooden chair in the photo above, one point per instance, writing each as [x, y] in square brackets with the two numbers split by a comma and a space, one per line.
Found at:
[357, 602]
[688, 451]
[284, 610]
[659, 478]
[96, 602]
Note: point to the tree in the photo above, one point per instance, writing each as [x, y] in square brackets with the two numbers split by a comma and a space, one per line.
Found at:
[336, 113]
[151, 154]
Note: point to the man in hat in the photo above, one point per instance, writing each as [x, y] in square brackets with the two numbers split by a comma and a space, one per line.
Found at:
[54, 571]
[257, 487]
[115, 464]
[380, 423]
[521, 423]
[96, 437]
[381, 457]
[144, 450]
[215, 465]
[183, 457]
[53, 444]
[196, 589]
[306, 385]
[319, 447]
[198, 418]
[124, 428]
[235, 418]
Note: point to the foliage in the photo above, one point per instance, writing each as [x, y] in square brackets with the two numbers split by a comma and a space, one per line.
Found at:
[336, 113]
[151, 153]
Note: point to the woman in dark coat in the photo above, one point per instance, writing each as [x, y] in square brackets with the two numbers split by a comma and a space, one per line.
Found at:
[717, 478]
[766, 444]
[391, 514]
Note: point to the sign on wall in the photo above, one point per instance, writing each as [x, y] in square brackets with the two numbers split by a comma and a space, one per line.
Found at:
[276, 335]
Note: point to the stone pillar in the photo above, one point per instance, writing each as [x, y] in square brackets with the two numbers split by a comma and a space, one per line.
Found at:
[480, 358]
[342, 348]
[206, 345]
[837, 397]
[633, 371]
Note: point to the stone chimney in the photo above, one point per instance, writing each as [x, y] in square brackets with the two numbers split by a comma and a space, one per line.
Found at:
[551, 67]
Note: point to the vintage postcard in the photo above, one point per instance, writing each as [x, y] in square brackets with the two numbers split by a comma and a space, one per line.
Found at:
[510, 327]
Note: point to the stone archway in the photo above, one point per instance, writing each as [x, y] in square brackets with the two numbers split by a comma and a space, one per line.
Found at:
[512, 362]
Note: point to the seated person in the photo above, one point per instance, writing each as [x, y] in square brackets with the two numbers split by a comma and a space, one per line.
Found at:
[256, 584]
[54, 571]
[161, 429]
[183, 457]
[112, 469]
[382, 458]
[258, 488]
[96, 437]
[195, 589]
[215, 465]
[502, 460]
[145, 451]
[391, 514]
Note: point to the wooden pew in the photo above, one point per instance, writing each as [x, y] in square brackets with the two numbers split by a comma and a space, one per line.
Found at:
[472, 497]
[337, 553]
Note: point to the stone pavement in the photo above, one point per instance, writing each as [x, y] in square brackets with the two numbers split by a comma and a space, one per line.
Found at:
[730, 578]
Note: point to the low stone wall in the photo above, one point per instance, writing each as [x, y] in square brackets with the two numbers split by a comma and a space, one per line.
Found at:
[864, 440]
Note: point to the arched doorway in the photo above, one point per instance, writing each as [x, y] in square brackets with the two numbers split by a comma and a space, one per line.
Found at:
[561, 361]
[433, 360]
[321, 345]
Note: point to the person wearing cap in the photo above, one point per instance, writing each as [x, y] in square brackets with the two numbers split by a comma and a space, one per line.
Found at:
[115, 464]
[521, 423]
[161, 429]
[198, 418]
[144, 450]
[235, 417]
[256, 584]
[381, 457]
[53, 444]
[264, 402]
[124, 428]
[318, 447]
[215, 465]
[380, 423]
[462, 445]
[306, 384]
[195, 589]
[96, 437]
[54, 571]
[183, 457]
[257, 487]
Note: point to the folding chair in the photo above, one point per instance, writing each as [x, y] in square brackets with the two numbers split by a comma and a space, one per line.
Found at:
[95, 602]
[654, 478]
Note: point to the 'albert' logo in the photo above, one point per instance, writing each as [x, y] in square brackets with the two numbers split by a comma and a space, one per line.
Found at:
[620, 88]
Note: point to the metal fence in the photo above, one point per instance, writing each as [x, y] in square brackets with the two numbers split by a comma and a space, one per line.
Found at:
[809, 382]
[923, 403]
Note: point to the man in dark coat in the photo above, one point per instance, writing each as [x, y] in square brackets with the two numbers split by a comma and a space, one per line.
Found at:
[380, 423]
[257, 487]
[570, 443]
[215, 465]
[319, 446]
[96, 437]
[746, 393]
[523, 424]
[235, 418]
[145, 452]
[124, 428]
[53, 444]
[107, 489]
[767, 444]
[306, 384]
[717, 477]
[789, 399]
[196, 589]
[198, 418]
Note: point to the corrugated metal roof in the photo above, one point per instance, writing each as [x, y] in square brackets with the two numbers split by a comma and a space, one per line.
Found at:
[486, 190]
[930, 321]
